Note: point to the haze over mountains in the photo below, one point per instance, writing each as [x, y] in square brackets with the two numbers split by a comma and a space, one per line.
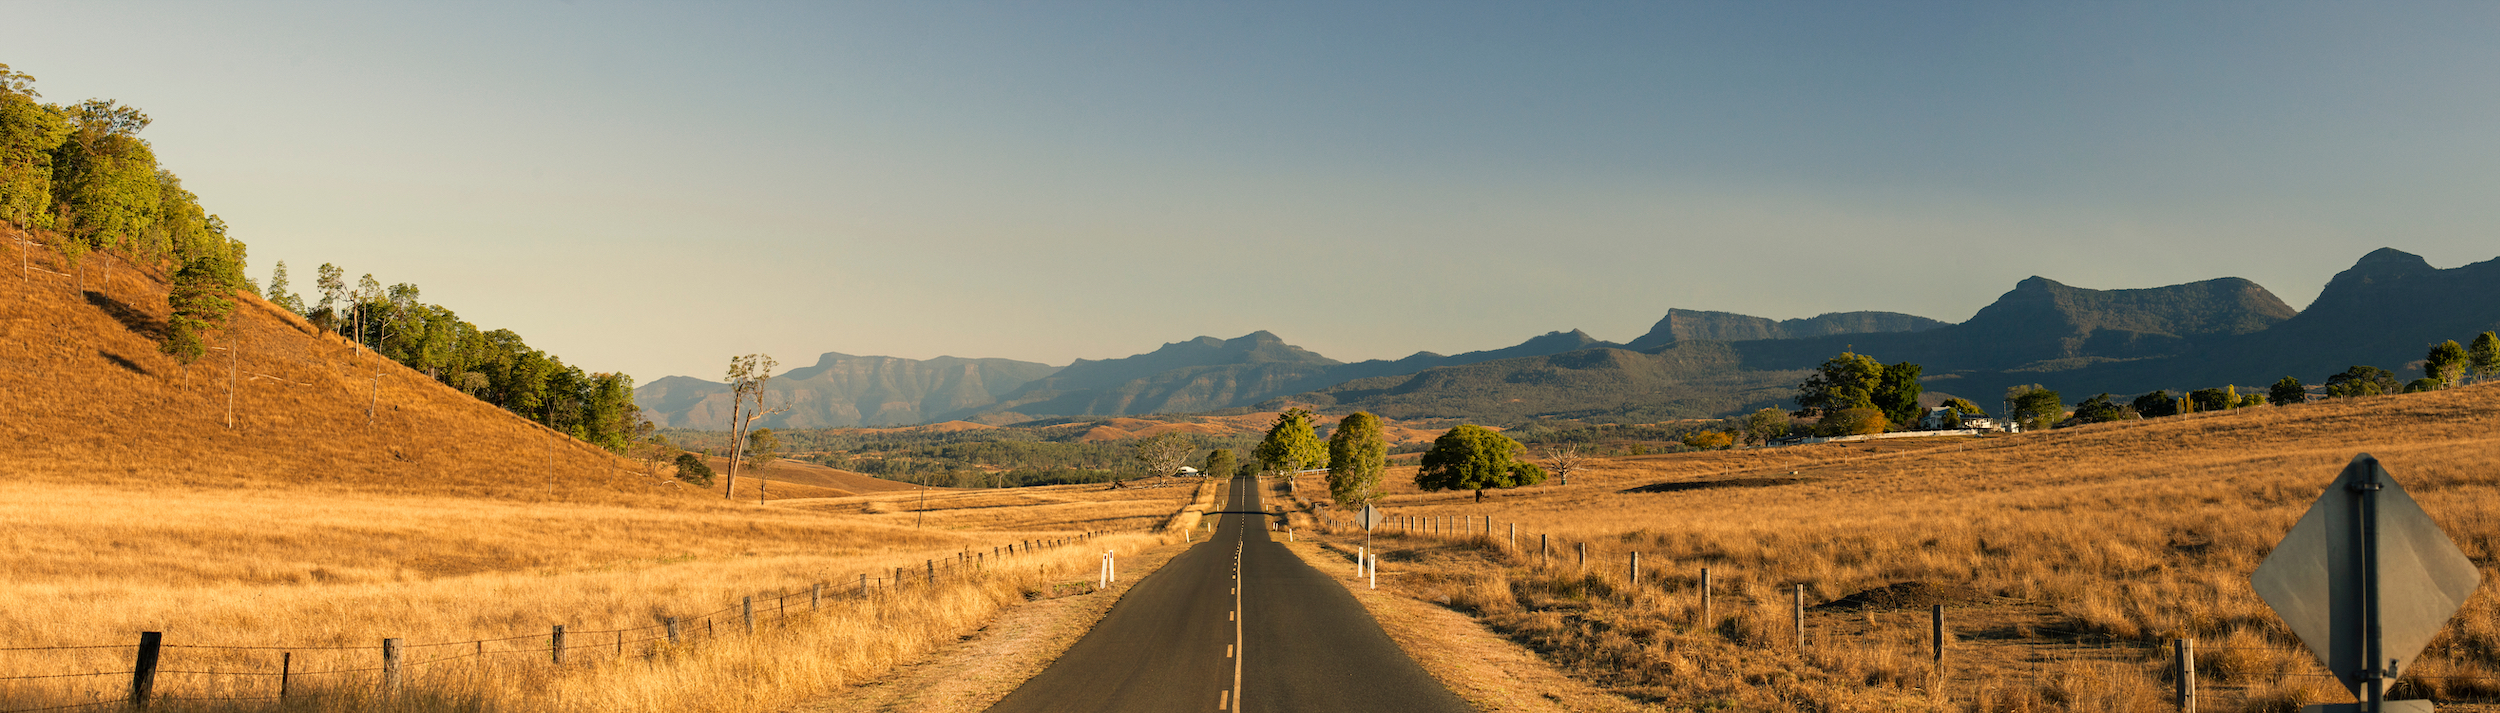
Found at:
[2384, 311]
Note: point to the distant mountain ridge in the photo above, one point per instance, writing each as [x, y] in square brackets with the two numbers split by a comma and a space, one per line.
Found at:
[842, 390]
[1684, 325]
[2383, 311]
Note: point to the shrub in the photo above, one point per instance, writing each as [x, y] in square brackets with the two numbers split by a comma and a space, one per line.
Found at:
[1708, 440]
[690, 468]
[1854, 422]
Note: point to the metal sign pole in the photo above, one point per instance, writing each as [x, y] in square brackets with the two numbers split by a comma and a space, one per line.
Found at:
[2366, 492]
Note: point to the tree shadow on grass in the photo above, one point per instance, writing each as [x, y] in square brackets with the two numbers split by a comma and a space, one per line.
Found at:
[138, 322]
[1679, 487]
[117, 360]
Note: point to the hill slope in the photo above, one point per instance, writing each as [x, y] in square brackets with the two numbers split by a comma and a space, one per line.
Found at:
[91, 399]
[1683, 325]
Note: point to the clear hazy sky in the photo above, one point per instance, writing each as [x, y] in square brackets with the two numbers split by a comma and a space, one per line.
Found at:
[654, 187]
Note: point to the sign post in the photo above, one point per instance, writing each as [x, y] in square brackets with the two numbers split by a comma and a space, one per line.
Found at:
[2366, 578]
[1369, 518]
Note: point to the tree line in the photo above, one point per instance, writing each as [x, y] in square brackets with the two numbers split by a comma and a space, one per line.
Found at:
[1856, 394]
[79, 177]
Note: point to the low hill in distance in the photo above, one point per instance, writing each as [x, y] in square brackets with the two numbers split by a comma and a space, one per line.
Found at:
[842, 390]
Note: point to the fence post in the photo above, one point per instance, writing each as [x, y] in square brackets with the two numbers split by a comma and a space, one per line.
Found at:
[1636, 569]
[143, 671]
[815, 597]
[1514, 537]
[1801, 617]
[390, 667]
[1709, 616]
[863, 585]
[1544, 550]
[2185, 649]
[1584, 557]
[286, 672]
[748, 613]
[932, 573]
[555, 645]
[673, 633]
[1935, 630]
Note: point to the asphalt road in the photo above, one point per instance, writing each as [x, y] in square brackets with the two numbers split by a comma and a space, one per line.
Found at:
[1236, 623]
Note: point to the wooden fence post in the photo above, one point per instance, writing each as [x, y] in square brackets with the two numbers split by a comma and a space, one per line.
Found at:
[1584, 557]
[932, 573]
[1709, 614]
[286, 672]
[1544, 550]
[143, 671]
[1801, 617]
[1636, 569]
[1514, 537]
[747, 612]
[815, 597]
[390, 667]
[2185, 650]
[863, 585]
[555, 645]
[1935, 632]
[671, 624]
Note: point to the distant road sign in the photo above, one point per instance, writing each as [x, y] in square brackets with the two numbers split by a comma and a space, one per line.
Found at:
[2366, 579]
[1371, 518]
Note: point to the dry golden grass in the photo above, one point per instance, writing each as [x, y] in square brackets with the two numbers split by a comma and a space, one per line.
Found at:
[2084, 552]
[441, 521]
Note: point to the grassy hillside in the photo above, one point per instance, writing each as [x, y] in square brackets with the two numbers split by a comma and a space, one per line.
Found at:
[2067, 560]
[1687, 380]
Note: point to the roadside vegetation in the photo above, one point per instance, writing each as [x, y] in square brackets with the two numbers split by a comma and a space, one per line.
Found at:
[2067, 560]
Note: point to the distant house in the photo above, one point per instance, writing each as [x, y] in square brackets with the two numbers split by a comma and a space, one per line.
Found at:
[1939, 418]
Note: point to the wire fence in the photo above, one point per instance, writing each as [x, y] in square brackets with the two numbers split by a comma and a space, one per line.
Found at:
[272, 672]
[1983, 666]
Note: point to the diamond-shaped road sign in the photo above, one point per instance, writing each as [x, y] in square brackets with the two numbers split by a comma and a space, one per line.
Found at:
[1371, 518]
[2366, 579]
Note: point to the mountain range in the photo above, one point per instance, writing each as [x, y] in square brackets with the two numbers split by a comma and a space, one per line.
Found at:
[2383, 311]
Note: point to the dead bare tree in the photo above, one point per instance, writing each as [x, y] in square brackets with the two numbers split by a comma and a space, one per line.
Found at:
[1562, 459]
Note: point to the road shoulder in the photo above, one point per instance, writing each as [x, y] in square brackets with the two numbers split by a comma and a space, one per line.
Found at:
[1490, 672]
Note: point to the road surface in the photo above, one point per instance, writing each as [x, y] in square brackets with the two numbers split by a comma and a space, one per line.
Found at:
[1236, 623]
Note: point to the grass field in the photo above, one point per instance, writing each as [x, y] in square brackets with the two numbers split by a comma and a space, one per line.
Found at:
[2067, 560]
[349, 500]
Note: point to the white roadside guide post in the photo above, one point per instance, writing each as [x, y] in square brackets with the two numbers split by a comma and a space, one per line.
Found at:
[1369, 519]
[2366, 579]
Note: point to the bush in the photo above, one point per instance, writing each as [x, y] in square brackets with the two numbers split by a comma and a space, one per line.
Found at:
[1853, 422]
[2100, 409]
[1709, 440]
[690, 468]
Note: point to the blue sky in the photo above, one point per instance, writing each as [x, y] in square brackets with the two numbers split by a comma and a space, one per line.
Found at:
[654, 187]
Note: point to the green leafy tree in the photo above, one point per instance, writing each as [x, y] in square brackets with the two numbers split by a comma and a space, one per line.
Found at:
[30, 133]
[747, 377]
[2484, 357]
[332, 282]
[2101, 409]
[278, 294]
[1220, 463]
[2213, 400]
[1472, 457]
[1356, 454]
[2361, 380]
[1291, 444]
[1843, 382]
[1766, 425]
[1896, 393]
[2035, 407]
[2445, 364]
[2287, 391]
[201, 299]
[2421, 385]
[104, 179]
[2157, 404]
[690, 468]
[763, 447]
